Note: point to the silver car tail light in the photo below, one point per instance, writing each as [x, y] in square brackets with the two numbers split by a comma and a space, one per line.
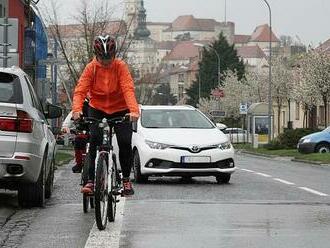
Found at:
[22, 123]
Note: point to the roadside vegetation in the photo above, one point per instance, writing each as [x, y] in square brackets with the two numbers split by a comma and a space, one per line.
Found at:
[63, 157]
[313, 157]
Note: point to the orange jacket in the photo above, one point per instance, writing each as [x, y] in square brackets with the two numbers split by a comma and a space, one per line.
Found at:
[111, 88]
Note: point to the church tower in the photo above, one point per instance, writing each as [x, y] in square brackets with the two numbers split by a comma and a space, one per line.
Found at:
[131, 15]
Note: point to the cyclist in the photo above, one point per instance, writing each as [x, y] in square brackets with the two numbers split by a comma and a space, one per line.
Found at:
[81, 138]
[112, 94]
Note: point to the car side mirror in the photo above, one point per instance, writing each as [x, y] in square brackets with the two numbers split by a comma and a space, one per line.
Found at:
[134, 126]
[52, 111]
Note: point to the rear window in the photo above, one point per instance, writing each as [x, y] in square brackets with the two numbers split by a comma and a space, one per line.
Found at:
[10, 88]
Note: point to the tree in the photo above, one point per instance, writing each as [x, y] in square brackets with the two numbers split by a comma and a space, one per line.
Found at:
[207, 77]
[92, 18]
[314, 80]
[282, 84]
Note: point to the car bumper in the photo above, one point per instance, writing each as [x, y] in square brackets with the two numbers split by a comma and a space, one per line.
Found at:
[169, 162]
[21, 168]
[306, 147]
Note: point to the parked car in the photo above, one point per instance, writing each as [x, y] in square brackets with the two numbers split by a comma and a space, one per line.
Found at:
[27, 145]
[236, 135]
[315, 142]
[180, 141]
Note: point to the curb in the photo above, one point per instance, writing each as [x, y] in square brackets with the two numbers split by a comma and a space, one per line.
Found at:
[293, 159]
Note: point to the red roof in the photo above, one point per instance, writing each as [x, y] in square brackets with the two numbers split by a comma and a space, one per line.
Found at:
[77, 30]
[261, 34]
[325, 46]
[190, 23]
[183, 50]
[250, 52]
[241, 38]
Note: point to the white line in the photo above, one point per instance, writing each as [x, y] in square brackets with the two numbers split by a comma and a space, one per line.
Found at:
[313, 191]
[283, 181]
[111, 235]
[263, 174]
[247, 170]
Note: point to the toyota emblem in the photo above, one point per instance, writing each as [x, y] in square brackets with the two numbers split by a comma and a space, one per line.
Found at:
[195, 149]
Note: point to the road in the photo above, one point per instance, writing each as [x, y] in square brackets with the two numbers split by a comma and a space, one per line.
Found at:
[268, 203]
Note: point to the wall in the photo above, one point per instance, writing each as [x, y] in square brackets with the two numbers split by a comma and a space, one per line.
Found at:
[16, 10]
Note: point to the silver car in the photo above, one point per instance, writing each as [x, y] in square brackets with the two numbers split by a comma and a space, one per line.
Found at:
[27, 144]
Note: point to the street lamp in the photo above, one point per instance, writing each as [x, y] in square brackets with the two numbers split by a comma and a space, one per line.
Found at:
[270, 75]
[218, 57]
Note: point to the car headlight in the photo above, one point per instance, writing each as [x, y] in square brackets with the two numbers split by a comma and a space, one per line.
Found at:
[156, 145]
[225, 145]
[306, 140]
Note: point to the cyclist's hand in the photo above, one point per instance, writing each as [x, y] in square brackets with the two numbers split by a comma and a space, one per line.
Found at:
[76, 115]
[65, 130]
[133, 117]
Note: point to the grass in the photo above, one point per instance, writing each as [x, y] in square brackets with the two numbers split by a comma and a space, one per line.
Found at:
[63, 157]
[314, 157]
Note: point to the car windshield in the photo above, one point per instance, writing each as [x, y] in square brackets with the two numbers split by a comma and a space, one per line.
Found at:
[178, 118]
[10, 88]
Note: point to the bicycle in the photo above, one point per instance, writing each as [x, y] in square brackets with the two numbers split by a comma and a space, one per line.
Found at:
[107, 176]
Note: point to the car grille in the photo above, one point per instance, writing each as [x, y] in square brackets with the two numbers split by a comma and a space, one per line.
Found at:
[163, 164]
[194, 149]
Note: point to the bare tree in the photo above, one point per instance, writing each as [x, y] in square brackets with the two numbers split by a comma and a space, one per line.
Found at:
[76, 41]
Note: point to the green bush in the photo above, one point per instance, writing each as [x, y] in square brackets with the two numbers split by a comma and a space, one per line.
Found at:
[289, 138]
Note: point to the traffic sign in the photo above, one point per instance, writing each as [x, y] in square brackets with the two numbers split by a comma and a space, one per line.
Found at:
[243, 108]
[218, 113]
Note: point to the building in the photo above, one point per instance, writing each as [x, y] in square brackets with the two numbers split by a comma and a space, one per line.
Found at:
[187, 27]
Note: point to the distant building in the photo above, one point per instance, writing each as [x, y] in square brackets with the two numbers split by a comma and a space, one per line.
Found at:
[189, 26]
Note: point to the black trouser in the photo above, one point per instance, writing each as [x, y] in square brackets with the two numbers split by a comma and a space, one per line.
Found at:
[124, 139]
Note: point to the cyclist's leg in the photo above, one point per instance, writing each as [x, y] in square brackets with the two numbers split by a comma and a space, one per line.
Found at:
[95, 140]
[124, 139]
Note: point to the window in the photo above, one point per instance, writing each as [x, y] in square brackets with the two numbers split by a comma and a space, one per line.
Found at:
[181, 78]
[283, 117]
[10, 88]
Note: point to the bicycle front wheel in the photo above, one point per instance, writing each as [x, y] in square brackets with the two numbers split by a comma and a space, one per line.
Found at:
[101, 192]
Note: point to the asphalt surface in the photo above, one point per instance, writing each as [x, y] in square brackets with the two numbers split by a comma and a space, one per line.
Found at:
[268, 203]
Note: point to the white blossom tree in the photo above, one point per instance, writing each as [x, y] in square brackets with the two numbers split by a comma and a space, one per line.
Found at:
[282, 85]
[315, 77]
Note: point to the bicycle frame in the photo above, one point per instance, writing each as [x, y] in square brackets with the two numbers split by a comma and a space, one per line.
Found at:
[106, 148]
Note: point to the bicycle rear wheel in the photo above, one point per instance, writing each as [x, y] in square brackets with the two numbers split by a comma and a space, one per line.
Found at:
[101, 192]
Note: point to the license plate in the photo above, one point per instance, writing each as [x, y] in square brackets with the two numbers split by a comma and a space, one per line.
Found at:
[195, 159]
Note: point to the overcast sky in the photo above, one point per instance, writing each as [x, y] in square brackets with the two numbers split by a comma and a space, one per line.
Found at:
[307, 19]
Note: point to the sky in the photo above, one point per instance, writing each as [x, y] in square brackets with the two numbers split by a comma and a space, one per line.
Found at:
[306, 20]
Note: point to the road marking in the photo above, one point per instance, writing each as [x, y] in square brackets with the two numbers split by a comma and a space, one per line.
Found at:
[263, 174]
[247, 170]
[283, 181]
[313, 191]
[111, 235]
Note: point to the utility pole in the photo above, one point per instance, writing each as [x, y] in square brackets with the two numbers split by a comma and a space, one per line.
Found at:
[54, 80]
[5, 43]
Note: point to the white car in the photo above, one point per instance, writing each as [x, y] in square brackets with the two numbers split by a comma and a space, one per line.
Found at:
[180, 141]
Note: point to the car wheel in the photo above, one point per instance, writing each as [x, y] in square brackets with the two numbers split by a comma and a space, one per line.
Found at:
[323, 148]
[50, 180]
[139, 178]
[33, 194]
[223, 178]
